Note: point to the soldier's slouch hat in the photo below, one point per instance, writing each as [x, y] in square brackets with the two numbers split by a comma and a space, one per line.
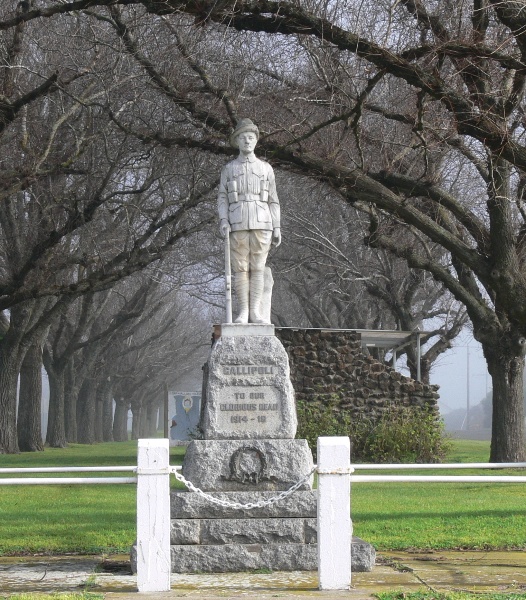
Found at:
[242, 126]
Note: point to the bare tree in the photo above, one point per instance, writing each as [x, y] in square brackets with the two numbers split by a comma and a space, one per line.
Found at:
[452, 158]
[83, 204]
[327, 278]
[413, 113]
[156, 357]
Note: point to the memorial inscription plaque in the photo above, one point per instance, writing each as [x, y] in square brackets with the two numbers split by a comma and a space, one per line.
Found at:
[247, 407]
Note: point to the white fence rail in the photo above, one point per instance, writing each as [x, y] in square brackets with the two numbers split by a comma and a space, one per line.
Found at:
[66, 480]
[436, 478]
[69, 470]
[414, 466]
[335, 476]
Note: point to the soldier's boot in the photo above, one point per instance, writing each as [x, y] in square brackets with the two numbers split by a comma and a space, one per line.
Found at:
[242, 291]
[257, 280]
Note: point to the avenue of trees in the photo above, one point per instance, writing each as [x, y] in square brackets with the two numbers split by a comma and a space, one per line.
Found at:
[114, 117]
[85, 210]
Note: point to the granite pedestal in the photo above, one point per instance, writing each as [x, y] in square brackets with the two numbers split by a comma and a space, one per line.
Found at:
[249, 455]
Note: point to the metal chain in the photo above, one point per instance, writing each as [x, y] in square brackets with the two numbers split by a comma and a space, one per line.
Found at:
[249, 505]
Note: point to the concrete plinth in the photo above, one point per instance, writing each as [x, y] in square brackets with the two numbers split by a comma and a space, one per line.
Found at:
[242, 329]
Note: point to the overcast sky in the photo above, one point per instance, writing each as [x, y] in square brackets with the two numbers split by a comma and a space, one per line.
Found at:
[451, 374]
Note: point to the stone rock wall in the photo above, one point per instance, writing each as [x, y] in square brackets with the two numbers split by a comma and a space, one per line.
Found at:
[330, 366]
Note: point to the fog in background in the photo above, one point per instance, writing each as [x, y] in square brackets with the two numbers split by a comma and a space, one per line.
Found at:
[450, 373]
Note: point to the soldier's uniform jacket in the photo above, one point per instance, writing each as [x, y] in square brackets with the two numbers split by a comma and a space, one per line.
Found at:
[247, 195]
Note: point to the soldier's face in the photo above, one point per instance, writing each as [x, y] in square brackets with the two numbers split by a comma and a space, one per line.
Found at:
[246, 142]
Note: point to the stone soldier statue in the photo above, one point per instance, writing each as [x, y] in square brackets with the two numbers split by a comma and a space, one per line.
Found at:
[249, 213]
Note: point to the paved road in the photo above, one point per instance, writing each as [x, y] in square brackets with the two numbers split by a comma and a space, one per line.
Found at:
[473, 571]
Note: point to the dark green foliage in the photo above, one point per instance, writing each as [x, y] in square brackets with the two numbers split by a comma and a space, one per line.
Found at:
[399, 434]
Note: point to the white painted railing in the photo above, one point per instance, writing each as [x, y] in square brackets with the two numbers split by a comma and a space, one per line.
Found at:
[436, 478]
[152, 477]
[334, 513]
[334, 523]
[69, 470]
[66, 480]
[414, 466]
[335, 476]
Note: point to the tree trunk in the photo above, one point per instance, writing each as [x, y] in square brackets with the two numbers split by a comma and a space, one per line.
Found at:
[101, 402]
[136, 421]
[506, 367]
[107, 415]
[152, 419]
[143, 423]
[412, 365]
[71, 393]
[29, 423]
[120, 420]
[56, 431]
[425, 370]
[9, 369]
[162, 423]
[105, 397]
[86, 408]
[13, 347]
[99, 407]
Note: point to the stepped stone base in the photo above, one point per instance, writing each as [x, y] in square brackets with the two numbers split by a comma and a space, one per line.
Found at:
[210, 538]
[214, 532]
[189, 505]
[232, 558]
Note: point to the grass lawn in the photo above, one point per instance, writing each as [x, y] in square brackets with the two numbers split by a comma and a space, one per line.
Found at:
[446, 595]
[61, 519]
[443, 515]
[101, 518]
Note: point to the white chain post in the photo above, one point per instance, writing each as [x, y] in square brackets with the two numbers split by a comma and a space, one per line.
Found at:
[334, 513]
[153, 516]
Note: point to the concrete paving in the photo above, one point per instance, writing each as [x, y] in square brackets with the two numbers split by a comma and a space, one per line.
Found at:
[405, 571]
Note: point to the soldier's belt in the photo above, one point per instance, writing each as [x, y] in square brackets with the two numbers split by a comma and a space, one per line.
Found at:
[248, 197]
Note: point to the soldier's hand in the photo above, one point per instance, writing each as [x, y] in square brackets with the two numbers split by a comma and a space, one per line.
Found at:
[224, 227]
[276, 237]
